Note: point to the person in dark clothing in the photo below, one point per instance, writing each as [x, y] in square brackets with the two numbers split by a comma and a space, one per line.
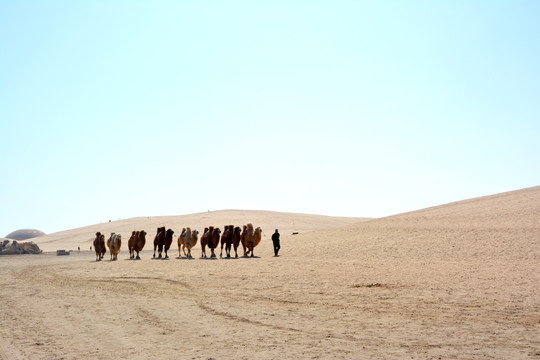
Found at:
[275, 240]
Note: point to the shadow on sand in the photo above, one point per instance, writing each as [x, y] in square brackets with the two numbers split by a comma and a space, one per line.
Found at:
[208, 258]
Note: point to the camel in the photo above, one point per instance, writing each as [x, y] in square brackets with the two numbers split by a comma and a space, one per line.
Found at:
[136, 243]
[207, 234]
[130, 243]
[181, 241]
[253, 238]
[236, 235]
[187, 240]
[159, 240]
[191, 242]
[210, 238]
[167, 242]
[114, 243]
[214, 241]
[99, 246]
[243, 239]
[226, 239]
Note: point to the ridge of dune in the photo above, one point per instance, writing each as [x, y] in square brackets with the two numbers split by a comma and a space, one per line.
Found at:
[269, 220]
[512, 209]
[499, 227]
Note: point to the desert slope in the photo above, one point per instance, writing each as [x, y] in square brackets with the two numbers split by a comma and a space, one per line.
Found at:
[513, 209]
[268, 220]
[456, 281]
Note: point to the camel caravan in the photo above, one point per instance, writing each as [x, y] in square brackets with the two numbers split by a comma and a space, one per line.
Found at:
[230, 238]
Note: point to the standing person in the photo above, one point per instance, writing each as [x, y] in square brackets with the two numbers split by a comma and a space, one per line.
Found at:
[275, 240]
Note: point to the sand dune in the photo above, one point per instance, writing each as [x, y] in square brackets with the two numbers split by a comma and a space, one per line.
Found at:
[268, 220]
[456, 281]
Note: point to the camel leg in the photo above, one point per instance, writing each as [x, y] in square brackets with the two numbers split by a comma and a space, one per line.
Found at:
[138, 257]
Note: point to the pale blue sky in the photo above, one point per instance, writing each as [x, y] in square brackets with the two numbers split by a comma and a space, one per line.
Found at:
[117, 109]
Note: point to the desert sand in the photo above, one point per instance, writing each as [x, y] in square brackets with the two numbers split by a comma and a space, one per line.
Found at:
[457, 281]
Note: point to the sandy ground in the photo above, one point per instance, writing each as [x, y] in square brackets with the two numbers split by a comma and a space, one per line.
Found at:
[459, 281]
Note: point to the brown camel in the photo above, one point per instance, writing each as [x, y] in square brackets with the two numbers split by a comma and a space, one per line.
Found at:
[159, 240]
[181, 241]
[243, 239]
[253, 238]
[136, 243]
[237, 233]
[226, 239]
[207, 234]
[210, 238]
[99, 246]
[214, 241]
[168, 241]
